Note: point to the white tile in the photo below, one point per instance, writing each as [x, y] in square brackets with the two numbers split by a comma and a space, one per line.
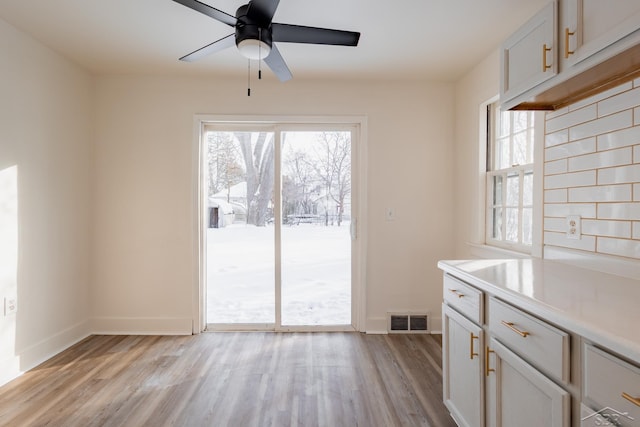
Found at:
[606, 124]
[561, 210]
[606, 228]
[555, 196]
[636, 154]
[551, 114]
[636, 230]
[607, 193]
[636, 192]
[558, 225]
[586, 243]
[622, 101]
[574, 118]
[620, 157]
[556, 138]
[571, 149]
[555, 167]
[620, 247]
[602, 95]
[567, 180]
[618, 139]
[619, 175]
[636, 116]
[620, 211]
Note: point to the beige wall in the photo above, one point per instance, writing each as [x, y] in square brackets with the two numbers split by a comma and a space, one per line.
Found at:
[46, 118]
[143, 264]
[479, 86]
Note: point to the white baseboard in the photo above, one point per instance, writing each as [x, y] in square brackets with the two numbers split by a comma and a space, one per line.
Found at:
[42, 351]
[141, 326]
[376, 325]
[435, 324]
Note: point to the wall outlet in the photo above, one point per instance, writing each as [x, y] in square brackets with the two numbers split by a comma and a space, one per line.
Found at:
[574, 230]
[10, 306]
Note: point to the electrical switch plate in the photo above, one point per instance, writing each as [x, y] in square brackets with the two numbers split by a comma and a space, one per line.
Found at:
[10, 306]
[390, 214]
[574, 230]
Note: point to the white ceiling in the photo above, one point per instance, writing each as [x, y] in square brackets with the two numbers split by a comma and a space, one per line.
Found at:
[432, 39]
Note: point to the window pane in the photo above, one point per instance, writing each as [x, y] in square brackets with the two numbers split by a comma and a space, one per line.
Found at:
[520, 120]
[527, 225]
[497, 190]
[513, 189]
[512, 224]
[527, 189]
[497, 223]
[520, 149]
[501, 159]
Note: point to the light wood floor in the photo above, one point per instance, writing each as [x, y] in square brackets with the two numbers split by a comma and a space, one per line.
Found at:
[235, 379]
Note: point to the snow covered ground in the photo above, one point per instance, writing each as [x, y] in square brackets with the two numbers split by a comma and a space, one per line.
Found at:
[316, 275]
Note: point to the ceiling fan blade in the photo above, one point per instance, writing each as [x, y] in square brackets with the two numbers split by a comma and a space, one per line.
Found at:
[262, 11]
[209, 11]
[214, 47]
[275, 61]
[301, 34]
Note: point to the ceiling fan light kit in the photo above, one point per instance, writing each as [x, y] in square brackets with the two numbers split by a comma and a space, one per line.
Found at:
[255, 34]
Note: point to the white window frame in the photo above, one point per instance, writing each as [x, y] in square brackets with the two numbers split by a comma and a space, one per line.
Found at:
[536, 168]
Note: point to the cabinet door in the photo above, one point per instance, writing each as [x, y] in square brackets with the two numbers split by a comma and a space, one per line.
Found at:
[528, 57]
[462, 368]
[588, 26]
[519, 395]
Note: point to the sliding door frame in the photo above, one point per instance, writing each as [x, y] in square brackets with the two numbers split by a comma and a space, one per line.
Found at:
[278, 124]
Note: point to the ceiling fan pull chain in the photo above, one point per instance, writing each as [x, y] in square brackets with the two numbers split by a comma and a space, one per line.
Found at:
[259, 53]
[248, 77]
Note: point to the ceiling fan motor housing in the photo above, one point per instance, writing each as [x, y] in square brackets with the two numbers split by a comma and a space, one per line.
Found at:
[252, 39]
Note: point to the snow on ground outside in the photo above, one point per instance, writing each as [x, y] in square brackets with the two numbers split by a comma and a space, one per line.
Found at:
[316, 274]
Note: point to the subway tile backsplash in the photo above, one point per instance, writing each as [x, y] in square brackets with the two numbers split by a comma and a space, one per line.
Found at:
[592, 169]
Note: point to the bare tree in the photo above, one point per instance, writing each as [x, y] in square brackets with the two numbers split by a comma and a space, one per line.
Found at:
[223, 160]
[333, 167]
[299, 184]
[259, 166]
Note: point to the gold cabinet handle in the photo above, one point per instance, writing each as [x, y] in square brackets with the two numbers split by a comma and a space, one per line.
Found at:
[634, 400]
[471, 352]
[567, 33]
[459, 294]
[509, 325]
[545, 49]
[487, 369]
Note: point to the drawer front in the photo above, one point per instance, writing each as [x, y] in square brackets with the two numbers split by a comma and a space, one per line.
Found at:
[464, 298]
[606, 380]
[544, 346]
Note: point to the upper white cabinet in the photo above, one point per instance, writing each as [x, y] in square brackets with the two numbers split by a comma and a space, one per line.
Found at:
[568, 51]
[589, 26]
[529, 56]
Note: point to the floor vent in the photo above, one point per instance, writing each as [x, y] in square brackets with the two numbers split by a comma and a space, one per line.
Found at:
[408, 323]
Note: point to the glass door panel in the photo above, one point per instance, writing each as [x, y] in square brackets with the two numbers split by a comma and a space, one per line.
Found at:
[240, 233]
[315, 238]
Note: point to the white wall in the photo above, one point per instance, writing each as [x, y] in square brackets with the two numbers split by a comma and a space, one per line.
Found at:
[143, 261]
[46, 118]
[477, 87]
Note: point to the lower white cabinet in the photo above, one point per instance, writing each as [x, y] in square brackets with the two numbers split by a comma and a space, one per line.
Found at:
[519, 395]
[462, 368]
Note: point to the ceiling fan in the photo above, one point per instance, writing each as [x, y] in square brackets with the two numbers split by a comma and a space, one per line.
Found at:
[255, 34]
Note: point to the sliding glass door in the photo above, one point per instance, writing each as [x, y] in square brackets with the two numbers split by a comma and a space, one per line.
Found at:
[278, 226]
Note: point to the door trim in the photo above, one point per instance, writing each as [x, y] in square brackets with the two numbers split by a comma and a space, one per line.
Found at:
[359, 176]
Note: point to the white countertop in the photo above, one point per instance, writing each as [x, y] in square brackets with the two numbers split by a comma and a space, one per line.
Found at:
[600, 307]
